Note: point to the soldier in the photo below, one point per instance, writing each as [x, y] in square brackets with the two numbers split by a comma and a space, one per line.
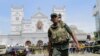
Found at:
[59, 38]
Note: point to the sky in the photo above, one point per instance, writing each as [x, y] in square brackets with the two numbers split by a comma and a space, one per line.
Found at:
[78, 12]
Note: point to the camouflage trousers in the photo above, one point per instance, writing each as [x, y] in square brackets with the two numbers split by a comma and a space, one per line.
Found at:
[57, 52]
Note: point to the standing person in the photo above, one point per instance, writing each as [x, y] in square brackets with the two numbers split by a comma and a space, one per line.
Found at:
[73, 48]
[70, 48]
[59, 38]
[27, 50]
[13, 53]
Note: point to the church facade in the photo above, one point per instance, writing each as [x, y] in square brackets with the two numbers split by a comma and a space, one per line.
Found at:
[32, 29]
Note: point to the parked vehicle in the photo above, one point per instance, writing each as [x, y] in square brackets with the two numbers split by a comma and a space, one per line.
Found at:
[16, 50]
[2, 49]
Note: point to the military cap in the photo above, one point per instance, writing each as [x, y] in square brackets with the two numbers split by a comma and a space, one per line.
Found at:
[53, 15]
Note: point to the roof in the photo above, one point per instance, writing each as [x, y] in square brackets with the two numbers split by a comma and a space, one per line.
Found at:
[39, 15]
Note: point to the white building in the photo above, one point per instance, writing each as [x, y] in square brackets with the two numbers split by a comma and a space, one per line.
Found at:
[32, 29]
[79, 34]
[21, 25]
[96, 13]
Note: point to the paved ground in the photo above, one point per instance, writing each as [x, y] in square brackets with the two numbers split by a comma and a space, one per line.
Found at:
[86, 54]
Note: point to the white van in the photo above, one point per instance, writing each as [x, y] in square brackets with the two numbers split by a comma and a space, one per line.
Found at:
[2, 49]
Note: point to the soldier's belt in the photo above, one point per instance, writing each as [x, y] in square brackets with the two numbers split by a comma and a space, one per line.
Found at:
[60, 43]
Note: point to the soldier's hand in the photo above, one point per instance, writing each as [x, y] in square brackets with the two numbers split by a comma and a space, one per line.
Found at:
[78, 47]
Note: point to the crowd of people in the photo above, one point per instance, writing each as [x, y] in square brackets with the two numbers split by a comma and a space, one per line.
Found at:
[86, 47]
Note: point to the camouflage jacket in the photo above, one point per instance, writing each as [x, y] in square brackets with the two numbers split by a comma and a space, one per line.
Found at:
[67, 29]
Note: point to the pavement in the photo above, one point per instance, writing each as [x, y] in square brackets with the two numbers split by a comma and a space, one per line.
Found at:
[45, 53]
[86, 54]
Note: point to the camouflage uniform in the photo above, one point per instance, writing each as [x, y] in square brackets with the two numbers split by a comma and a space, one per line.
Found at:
[59, 38]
